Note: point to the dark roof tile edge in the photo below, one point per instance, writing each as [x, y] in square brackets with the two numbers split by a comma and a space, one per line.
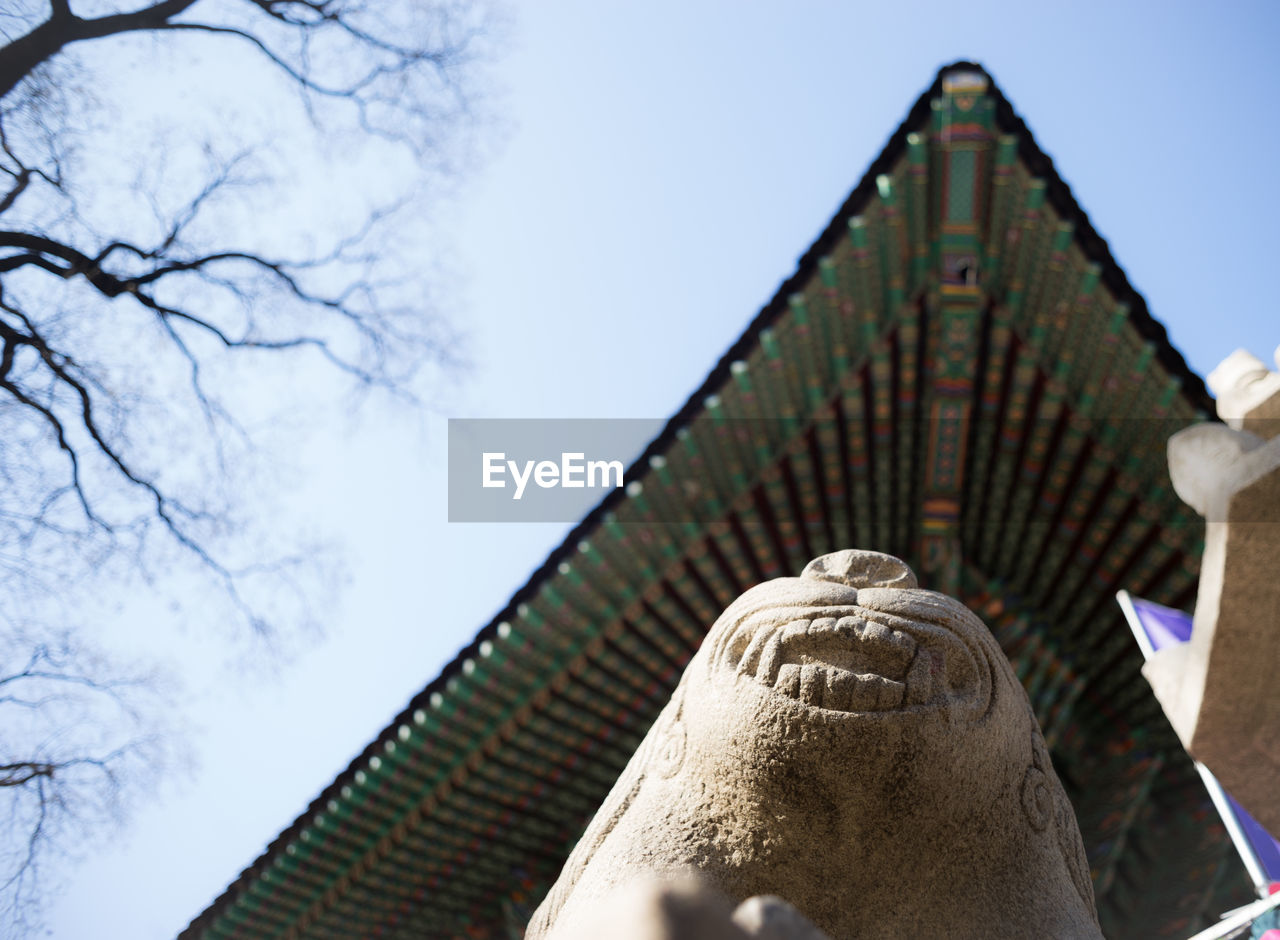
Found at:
[1059, 194]
[1095, 247]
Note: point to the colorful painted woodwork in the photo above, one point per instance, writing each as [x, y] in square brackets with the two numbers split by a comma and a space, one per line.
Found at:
[958, 374]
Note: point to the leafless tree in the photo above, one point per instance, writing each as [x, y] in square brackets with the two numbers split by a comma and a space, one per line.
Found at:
[130, 315]
[78, 739]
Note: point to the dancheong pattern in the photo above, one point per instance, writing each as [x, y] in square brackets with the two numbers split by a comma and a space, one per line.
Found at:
[958, 374]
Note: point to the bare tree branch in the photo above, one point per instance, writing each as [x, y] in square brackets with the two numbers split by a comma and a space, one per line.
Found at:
[71, 702]
[136, 327]
[27, 53]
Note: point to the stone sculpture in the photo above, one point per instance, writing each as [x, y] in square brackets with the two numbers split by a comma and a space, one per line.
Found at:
[1221, 689]
[859, 747]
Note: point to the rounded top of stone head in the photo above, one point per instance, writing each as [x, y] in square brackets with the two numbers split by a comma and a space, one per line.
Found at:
[857, 568]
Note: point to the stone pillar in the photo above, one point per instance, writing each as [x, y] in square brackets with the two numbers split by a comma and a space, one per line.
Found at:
[1221, 689]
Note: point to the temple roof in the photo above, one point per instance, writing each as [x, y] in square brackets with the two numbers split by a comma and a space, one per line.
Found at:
[958, 373]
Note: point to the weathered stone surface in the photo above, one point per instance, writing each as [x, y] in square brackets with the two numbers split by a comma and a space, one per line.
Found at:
[686, 908]
[769, 917]
[858, 747]
[1221, 689]
[1248, 395]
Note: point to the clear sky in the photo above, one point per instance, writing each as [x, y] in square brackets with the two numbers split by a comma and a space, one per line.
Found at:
[664, 165]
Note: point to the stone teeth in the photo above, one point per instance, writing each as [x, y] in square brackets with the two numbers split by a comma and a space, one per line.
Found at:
[850, 625]
[920, 679]
[839, 690]
[789, 680]
[813, 683]
[863, 695]
[823, 625]
[836, 689]
[770, 659]
[888, 693]
[897, 647]
[826, 685]
[871, 693]
[795, 630]
[747, 665]
[904, 641]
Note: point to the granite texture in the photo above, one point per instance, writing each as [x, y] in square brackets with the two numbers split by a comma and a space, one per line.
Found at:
[686, 908]
[859, 747]
[1221, 689]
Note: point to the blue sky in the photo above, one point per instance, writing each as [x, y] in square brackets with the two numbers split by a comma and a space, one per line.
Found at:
[661, 168]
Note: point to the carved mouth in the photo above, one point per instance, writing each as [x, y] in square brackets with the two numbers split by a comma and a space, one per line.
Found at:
[858, 660]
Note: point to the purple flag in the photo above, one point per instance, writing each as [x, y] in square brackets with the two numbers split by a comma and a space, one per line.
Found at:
[1155, 628]
[1163, 626]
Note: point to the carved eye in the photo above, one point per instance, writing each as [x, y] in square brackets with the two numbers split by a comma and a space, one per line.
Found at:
[1037, 798]
[671, 751]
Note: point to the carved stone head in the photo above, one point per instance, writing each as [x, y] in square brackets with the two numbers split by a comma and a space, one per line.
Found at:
[861, 748]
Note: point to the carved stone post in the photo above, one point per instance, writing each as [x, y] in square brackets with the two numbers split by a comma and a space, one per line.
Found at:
[860, 748]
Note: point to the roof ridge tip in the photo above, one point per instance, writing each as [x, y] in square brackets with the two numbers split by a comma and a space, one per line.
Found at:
[965, 64]
[960, 66]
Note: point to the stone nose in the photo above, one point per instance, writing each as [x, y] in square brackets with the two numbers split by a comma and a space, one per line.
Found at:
[857, 568]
